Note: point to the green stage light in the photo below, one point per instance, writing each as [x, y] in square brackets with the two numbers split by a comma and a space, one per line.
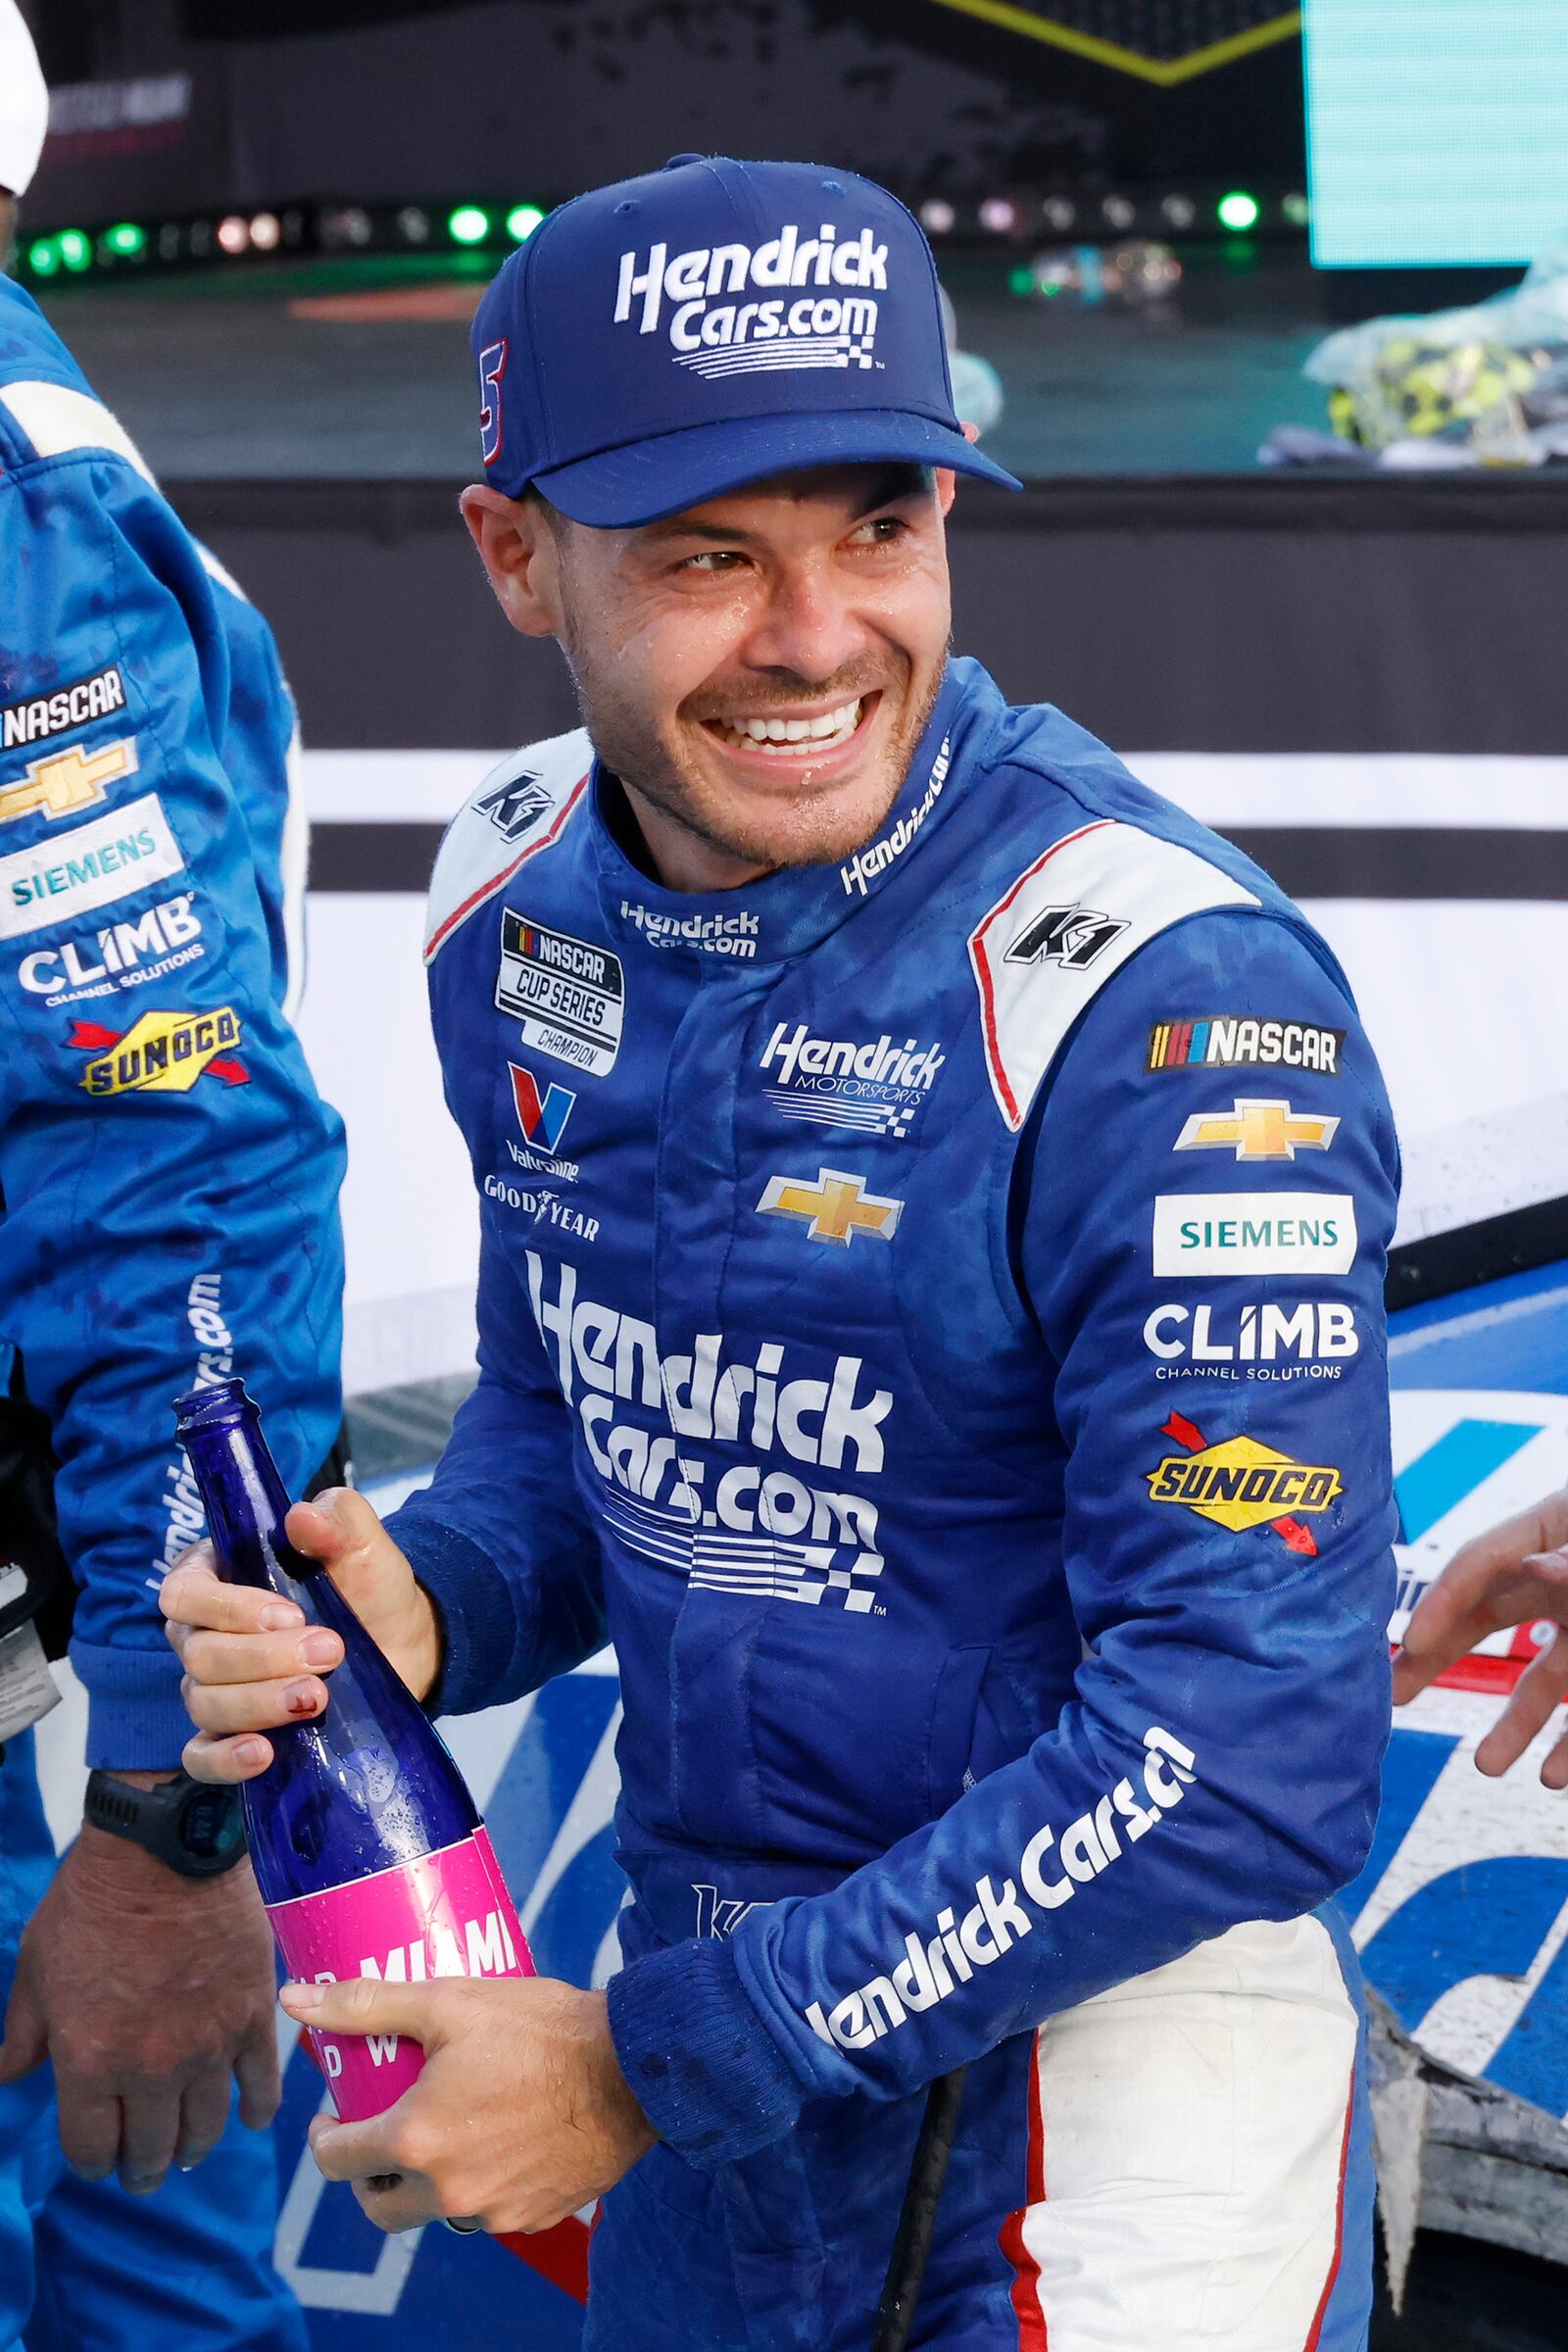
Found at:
[75, 250]
[42, 259]
[468, 225]
[1238, 210]
[522, 221]
[126, 240]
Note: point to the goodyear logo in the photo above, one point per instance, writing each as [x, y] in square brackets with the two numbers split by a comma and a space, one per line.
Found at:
[163, 1054]
[1240, 1484]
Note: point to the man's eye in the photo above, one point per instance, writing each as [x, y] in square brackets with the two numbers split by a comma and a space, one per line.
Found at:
[883, 530]
[713, 558]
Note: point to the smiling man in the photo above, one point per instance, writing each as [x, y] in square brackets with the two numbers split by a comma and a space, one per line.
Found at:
[934, 1204]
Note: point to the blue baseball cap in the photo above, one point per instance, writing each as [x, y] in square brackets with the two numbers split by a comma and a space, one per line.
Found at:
[668, 339]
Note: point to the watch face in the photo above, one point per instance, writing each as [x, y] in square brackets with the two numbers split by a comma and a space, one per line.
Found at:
[212, 1825]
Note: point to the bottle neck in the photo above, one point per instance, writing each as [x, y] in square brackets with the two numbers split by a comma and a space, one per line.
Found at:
[246, 1501]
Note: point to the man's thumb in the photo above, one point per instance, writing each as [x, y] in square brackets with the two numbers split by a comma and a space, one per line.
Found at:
[26, 2039]
[340, 1528]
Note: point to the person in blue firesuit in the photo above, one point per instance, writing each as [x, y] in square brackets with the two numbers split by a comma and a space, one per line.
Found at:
[169, 1180]
[934, 1200]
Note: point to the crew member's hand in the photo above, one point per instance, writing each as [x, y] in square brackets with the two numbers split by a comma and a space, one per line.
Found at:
[521, 2113]
[251, 1662]
[149, 1992]
[1515, 1574]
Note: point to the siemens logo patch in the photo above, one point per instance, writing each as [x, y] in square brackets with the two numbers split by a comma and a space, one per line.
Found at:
[1255, 1232]
[715, 335]
[67, 707]
[91, 865]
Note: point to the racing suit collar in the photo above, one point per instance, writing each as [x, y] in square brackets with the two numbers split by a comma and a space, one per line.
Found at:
[788, 913]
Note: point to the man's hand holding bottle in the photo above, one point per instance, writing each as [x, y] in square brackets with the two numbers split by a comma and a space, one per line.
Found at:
[520, 2114]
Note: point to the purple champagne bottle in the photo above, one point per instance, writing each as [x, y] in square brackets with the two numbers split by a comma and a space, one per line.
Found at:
[368, 1848]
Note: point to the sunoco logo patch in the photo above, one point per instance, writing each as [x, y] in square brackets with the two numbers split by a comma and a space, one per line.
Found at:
[162, 1053]
[1241, 1484]
[568, 993]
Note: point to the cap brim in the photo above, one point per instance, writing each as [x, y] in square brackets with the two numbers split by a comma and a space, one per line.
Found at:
[648, 481]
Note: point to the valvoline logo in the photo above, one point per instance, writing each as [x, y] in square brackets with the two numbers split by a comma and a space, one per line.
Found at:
[541, 1117]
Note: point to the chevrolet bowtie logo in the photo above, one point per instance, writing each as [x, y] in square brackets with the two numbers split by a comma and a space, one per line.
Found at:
[68, 780]
[1256, 1130]
[836, 1207]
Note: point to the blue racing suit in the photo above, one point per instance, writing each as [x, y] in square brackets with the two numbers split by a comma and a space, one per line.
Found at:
[930, 1320]
[169, 1182]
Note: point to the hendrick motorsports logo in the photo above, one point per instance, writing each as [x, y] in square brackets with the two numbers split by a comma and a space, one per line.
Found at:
[162, 1053]
[834, 1082]
[717, 332]
[714, 934]
[1240, 1484]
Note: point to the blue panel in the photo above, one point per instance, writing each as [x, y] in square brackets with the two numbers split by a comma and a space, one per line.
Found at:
[1533, 2060]
[1410, 1770]
[1439, 1480]
[545, 1772]
[1489, 1919]
[1509, 1333]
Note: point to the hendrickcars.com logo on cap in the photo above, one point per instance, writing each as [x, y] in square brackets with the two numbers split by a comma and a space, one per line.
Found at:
[671, 338]
[717, 334]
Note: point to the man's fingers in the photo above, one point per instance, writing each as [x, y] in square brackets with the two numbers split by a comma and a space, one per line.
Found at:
[203, 2114]
[192, 1596]
[1478, 1593]
[362, 2005]
[149, 2135]
[1539, 1691]
[226, 1760]
[239, 1658]
[90, 2122]
[227, 1708]
[260, 2085]
[27, 2037]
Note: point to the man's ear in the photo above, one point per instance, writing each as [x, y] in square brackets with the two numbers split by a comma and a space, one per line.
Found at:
[521, 557]
[946, 481]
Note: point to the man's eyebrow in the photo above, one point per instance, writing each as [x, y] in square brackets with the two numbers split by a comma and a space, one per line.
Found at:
[896, 485]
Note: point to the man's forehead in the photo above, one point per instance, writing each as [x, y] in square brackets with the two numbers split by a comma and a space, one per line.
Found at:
[845, 491]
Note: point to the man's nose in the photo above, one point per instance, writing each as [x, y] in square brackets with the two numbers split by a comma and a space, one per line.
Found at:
[808, 627]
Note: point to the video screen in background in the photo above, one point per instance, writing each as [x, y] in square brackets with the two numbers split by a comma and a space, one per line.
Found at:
[1437, 132]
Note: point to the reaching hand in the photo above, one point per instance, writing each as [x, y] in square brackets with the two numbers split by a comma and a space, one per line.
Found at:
[1513, 1575]
[251, 1663]
[520, 2115]
[149, 1992]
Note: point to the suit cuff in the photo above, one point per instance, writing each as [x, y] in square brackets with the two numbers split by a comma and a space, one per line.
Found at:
[697, 2057]
[473, 1604]
[136, 1719]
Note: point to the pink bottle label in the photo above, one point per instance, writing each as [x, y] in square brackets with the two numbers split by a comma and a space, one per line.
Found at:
[447, 1915]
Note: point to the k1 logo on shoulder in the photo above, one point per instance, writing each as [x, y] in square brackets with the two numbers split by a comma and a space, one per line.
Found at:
[1255, 1232]
[822, 328]
[515, 806]
[1238, 1042]
[834, 1082]
[162, 1053]
[126, 955]
[66, 781]
[63, 709]
[89, 867]
[1071, 935]
[569, 995]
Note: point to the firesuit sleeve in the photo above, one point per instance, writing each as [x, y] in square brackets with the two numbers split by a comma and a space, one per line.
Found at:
[1226, 1546]
[169, 1176]
[499, 1539]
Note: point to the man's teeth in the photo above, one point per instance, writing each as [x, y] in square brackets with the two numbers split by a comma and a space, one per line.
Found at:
[787, 735]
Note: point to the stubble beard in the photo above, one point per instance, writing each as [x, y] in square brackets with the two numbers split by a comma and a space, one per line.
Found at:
[805, 831]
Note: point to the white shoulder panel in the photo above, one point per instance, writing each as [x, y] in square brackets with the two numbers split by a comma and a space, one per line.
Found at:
[1069, 921]
[57, 421]
[524, 805]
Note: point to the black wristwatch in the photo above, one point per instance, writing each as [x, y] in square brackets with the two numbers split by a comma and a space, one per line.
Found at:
[196, 1828]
